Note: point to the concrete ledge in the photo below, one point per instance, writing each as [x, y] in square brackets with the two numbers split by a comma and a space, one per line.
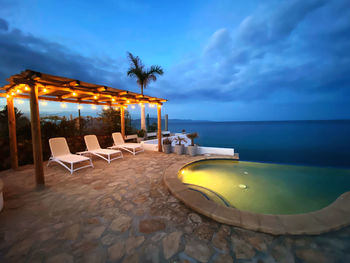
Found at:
[330, 218]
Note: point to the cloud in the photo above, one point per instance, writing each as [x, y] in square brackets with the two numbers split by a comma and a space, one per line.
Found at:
[279, 50]
[3, 25]
[19, 51]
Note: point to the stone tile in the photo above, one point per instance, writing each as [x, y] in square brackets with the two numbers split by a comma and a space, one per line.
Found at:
[116, 251]
[148, 226]
[198, 250]
[313, 256]
[132, 243]
[242, 249]
[271, 224]
[171, 244]
[59, 258]
[223, 258]
[121, 223]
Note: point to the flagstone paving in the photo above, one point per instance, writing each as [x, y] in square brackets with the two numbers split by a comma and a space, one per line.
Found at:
[122, 212]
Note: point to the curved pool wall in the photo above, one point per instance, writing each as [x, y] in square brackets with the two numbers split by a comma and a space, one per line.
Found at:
[332, 217]
[268, 188]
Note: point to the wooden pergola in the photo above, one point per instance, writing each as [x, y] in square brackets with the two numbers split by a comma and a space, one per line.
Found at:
[37, 86]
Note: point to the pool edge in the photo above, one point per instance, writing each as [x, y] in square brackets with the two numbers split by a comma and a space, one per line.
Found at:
[330, 218]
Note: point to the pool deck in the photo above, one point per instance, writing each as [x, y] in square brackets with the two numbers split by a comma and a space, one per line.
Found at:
[123, 212]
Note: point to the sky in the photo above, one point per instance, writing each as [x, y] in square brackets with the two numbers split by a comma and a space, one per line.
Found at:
[223, 60]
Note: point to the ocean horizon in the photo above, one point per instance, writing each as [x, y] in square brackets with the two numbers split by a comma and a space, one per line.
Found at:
[304, 142]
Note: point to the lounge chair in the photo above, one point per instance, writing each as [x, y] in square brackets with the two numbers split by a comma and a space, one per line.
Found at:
[119, 143]
[61, 154]
[93, 147]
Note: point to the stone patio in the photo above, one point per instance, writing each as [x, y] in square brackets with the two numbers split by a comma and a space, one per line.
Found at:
[122, 212]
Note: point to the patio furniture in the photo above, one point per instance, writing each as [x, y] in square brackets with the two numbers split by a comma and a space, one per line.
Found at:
[93, 147]
[119, 143]
[61, 154]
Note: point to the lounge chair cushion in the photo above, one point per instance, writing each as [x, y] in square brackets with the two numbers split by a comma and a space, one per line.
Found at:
[72, 158]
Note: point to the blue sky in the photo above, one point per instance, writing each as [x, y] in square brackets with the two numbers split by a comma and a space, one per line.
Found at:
[223, 60]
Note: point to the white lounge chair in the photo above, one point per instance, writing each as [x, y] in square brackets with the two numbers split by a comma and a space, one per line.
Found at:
[61, 154]
[119, 143]
[93, 147]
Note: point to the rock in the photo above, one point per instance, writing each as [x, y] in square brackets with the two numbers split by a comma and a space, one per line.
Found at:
[95, 233]
[158, 236]
[194, 218]
[204, 232]
[72, 232]
[121, 223]
[116, 251]
[20, 248]
[108, 239]
[219, 241]
[198, 250]
[313, 256]
[93, 220]
[151, 254]
[223, 258]
[63, 257]
[242, 249]
[133, 242]
[148, 226]
[171, 244]
[282, 254]
[117, 197]
[257, 242]
[134, 258]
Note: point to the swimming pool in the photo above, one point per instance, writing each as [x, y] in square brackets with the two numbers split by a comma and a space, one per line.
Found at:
[266, 188]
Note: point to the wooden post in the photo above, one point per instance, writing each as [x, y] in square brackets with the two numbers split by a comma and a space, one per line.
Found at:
[36, 136]
[12, 133]
[159, 115]
[122, 121]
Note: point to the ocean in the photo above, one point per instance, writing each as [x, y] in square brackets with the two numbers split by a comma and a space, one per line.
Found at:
[316, 143]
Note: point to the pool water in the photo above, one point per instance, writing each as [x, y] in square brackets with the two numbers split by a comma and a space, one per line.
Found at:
[264, 187]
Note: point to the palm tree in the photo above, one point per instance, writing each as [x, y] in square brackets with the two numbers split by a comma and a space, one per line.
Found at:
[144, 77]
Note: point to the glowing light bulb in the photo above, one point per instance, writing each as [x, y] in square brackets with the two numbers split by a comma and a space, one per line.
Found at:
[133, 106]
[183, 172]
[74, 94]
[63, 105]
[44, 90]
[13, 94]
[43, 103]
[95, 97]
[26, 88]
[128, 101]
[116, 108]
[159, 106]
[93, 107]
[8, 95]
[80, 107]
[18, 91]
[105, 107]
[113, 99]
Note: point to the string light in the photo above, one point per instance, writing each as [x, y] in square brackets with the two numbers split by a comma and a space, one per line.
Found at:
[74, 94]
[18, 91]
[116, 108]
[105, 107]
[93, 107]
[113, 99]
[8, 95]
[95, 97]
[44, 90]
[26, 88]
[13, 94]
[63, 105]
[159, 106]
[128, 101]
[80, 107]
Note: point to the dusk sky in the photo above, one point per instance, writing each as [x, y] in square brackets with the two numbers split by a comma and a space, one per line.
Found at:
[222, 60]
